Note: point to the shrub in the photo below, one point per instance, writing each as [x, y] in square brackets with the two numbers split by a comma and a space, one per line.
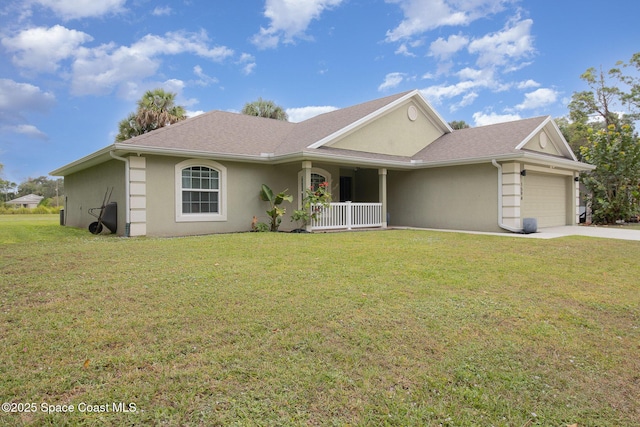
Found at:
[40, 210]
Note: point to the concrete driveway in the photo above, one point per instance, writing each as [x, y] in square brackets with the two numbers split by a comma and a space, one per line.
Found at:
[553, 232]
[590, 231]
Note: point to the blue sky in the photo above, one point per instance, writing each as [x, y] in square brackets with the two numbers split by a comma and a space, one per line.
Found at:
[70, 70]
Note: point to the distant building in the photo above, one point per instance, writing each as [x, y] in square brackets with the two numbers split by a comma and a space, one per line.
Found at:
[28, 201]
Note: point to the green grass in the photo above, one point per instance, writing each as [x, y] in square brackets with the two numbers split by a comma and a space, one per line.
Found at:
[391, 328]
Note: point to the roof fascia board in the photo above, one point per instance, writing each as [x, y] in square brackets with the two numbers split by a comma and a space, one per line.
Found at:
[525, 156]
[141, 149]
[560, 162]
[562, 139]
[342, 159]
[441, 121]
[85, 160]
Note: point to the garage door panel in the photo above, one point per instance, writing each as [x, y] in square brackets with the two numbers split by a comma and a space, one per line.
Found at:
[545, 198]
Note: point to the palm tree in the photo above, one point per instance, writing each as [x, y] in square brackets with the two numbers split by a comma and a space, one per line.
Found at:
[128, 128]
[265, 108]
[156, 109]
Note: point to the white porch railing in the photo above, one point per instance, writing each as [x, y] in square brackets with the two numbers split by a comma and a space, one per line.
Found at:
[349, 215]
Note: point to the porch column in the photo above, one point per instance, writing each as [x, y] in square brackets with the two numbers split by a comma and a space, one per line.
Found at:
[137, 196]
[511, 194]
[382, 188]
[306, 167]
[575, 199]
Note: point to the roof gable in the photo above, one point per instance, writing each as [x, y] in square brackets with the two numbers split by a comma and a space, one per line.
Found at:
[314, 132]
[400, 129]
[548, 139]
[430, 122]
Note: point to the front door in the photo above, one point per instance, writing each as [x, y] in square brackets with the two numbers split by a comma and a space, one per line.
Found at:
[345, 189]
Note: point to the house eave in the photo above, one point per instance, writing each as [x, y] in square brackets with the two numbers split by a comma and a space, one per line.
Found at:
[85, 162]
[542, 159]
[530, 158]
[120, 149]
[141, 149]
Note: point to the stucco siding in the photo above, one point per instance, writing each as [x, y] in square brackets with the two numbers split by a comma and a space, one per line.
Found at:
[462, 197]
[86, 189]
[393, 134]
[243, 202]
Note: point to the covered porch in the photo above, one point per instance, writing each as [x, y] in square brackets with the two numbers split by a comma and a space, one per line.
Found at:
[359, 197]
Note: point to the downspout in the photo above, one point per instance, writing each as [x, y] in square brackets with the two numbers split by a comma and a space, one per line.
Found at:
[500, 224]
[127, 213]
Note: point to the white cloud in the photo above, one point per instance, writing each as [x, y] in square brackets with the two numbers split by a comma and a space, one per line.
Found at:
[482, 119]
[248, 69]
[391, 81]
[467, 100]
[174, 43]
[162, 11]
[204, 79]
[528, 84]
[501, 48]
[100, 70]
[470, 81]
[303, 113]
[16, 98]
[289, 20]
[41, 48]
[435, 94]
[194, 113]
[27, 130]
[404, 50]
[537, 99]
[248, 63]
[173, 85]
[75, 9]
[444, 49]
[425, 15]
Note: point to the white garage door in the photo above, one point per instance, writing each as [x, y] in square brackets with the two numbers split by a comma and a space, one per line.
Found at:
[545, 198]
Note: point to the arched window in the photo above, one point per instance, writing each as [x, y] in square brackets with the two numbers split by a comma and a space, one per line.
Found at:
[318, 176]
[200, 191]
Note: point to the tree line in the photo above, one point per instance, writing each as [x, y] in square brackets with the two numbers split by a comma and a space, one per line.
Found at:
[50, 189]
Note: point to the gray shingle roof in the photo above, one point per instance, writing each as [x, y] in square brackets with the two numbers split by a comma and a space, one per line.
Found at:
[479, 142]
[219, 133]
[232, 133]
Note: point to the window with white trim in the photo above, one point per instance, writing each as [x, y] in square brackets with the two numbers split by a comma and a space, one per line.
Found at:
[200, 191]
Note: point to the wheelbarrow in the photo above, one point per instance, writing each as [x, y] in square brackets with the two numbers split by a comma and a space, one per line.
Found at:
[107, 215]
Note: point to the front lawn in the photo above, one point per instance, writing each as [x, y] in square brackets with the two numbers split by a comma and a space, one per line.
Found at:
[396, 328]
